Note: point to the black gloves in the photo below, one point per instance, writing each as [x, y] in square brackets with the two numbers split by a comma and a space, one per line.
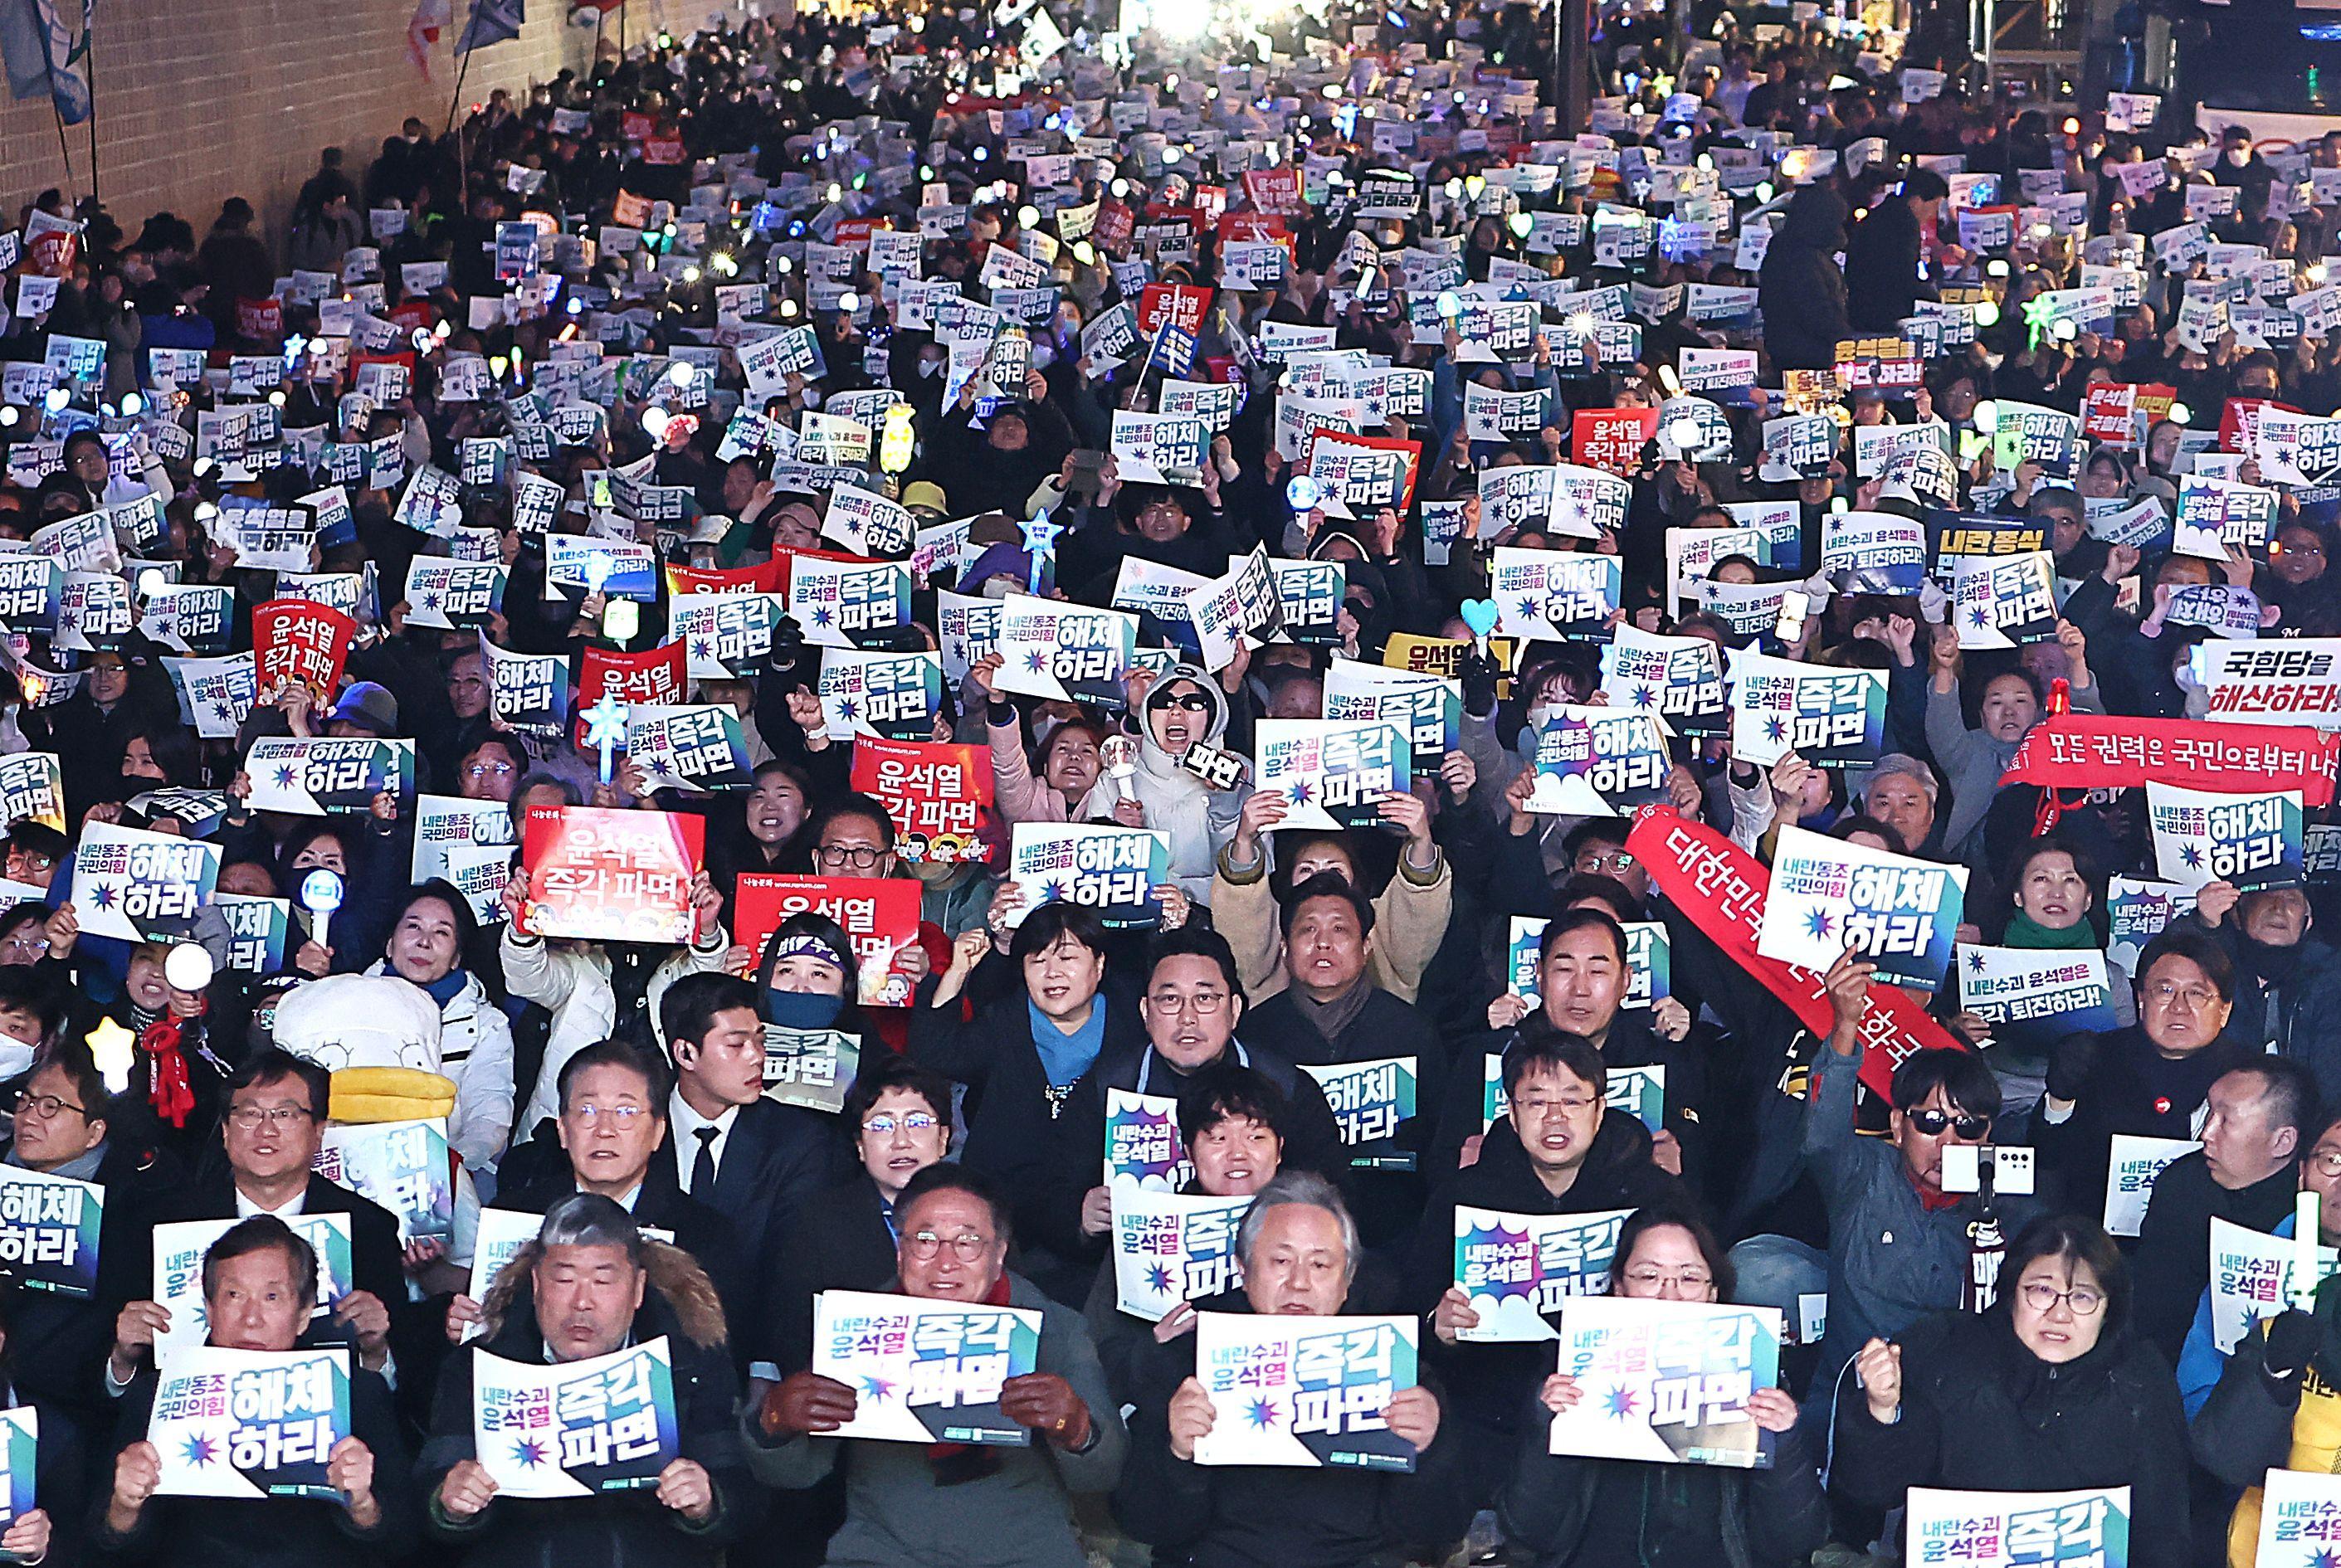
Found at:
[2291, 1341]
[1478, 673]
[2069, 1065]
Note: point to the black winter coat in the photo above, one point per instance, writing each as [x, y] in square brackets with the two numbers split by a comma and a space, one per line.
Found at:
[1980, 1413]
[1800, 291]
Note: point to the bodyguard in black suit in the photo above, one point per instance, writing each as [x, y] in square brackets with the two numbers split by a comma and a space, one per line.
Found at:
[754, 1161]
[274, 1125]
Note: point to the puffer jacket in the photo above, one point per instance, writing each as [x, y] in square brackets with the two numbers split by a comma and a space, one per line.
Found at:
[1801, 290]
[1200, 820]
[475, 1050]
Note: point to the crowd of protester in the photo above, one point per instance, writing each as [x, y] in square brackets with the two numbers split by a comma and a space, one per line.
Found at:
[1973, 1340]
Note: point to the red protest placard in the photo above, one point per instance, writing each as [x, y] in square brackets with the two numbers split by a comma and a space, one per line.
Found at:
[935, 793]
[767, 578]
[262, 320]
[1182, 304]
[2239, 416]
[1276, 191]
[656, 676]
[2106, 413]
[1114, 226]
[300, 639]
[612, 876]
[881, 917]
[1611, 438]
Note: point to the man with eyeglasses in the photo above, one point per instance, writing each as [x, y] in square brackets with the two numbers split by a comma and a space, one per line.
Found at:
[2201, 1363]
[2254, 1119]
[910, 1504]
[1900, 1246]
[2287, 975]
[612, 1124]
[272, 1130]
[66, 1126]
[1191, 1005]
[854, 836]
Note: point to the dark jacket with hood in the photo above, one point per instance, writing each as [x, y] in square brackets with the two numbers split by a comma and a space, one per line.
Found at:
[1801, 289]
[1881, 267]
[610, 1529]
[1981, 1413]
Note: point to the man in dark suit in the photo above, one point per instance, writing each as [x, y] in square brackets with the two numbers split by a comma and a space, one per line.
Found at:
[273, 1125]
[67, 1125]
[612, 1122]
[754, 1161]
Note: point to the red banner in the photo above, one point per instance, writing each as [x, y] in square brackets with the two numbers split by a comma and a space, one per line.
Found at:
[881, 917]
[612, 876]
[682, 581]
[300, 639]
[655, 677]
[2099, 751]
[1721, 887]
[1611, 438]
[262, 320]
[935, 793]
[1276, 191]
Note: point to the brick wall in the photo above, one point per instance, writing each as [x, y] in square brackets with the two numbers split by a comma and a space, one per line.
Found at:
[198, 100]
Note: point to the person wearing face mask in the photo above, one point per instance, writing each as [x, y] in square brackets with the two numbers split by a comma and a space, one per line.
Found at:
[2010, 704]
[1569, 1512]
[2048, 1391]
[430, 943]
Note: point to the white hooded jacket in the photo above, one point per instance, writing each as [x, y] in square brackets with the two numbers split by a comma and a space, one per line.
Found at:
[1198, 819]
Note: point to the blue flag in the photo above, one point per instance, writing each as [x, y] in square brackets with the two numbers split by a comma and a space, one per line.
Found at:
[42, 54]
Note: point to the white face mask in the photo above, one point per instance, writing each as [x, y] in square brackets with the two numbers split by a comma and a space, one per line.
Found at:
[1043, 356]
[2239, 157]
[930, 368]
[1542, 713]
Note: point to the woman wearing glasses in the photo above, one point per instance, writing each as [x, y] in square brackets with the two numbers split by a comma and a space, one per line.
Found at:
[909, 1504]
[899, 1114]
[1569, 1511]
[2048, 1391]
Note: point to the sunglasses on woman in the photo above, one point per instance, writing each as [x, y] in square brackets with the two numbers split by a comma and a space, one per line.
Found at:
[1932, 1123]
[1192, 702]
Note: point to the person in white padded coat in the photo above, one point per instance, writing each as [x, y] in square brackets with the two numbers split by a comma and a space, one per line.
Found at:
[428, 942]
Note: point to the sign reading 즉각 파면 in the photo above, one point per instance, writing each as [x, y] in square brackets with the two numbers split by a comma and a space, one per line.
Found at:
[1830, 718]
[1667, 1380]
[1171, 1248]
[572, 1429]
[1331, 774]
[1517, 1271]
[924, 1371]
[935, 793]
[1304, 1390]
[810, 1067]
[612, 876]
[2011, 1529]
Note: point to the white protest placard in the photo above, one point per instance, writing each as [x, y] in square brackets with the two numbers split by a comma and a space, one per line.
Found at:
[179, 1248]
[1897, 911]
[1171, 1248]
[1667, 1380]
[2135, 1165]
[2252, 841]
[2294, 681]
[2008, 1529]
[924, 1371]
[575, 1428]
[1108, 869]
[140, 886]
[1830, 717]
[248, 1423]
[1304, 1390]
[1519, 1270]
[1069, 652]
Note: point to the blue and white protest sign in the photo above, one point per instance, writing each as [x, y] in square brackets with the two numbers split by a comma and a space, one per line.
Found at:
[1599, 762]
[20, 1444]
[1067, 652]
[1428, 706]
[810, 1067]
[1371, 1100]
[891, 695]
[140, 886]
[1332, 775]
[1874, 551]
[1105, 867]
[724, 636]
[315, 775]
[1899, 912]
[1309, 592]
[1831, 718]
[49, 1228]
[924, 1371]
[2215, 514]
[2020, 985]
[256, 930]
[2002, 602]
[405, 1167]
[1142, 1146]
[585, 563]
[2300, 1519]
[575, 1428]
[1519, 1269]
[1678, 681]
[695, 748]
[1552, 596]
[1171, 1248]
[2291, 680]
[2252, 841]
[1667, 1380]
[848, 603]
[2137, 910]
[2016, 1529]
[2132, 1165]
[1304, 1390]
[248, 1423]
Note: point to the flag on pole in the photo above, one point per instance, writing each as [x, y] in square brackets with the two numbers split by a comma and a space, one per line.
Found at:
[492, 22]
[423, 31]
[43, 55]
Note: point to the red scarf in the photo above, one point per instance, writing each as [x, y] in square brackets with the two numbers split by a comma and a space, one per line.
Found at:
[957, 1463]
[168, 1089]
